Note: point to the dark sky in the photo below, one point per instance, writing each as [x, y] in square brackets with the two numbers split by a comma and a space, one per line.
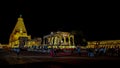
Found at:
[97, 21]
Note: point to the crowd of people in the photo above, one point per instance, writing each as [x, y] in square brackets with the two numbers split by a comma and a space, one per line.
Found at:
[101, 51]
[90, 52]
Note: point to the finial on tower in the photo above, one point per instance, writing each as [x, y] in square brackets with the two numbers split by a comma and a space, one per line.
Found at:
[20, 18]
[20, 15]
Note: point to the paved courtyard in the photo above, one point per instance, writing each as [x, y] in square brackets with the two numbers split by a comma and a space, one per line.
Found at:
[45, 60]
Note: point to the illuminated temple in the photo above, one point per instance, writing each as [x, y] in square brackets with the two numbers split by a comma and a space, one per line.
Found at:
[59, 40]
[20, 38]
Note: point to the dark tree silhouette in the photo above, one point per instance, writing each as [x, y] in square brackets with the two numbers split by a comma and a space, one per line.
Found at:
[79, 38]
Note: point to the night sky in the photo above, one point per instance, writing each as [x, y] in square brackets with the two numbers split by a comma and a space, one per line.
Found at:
[96, 21]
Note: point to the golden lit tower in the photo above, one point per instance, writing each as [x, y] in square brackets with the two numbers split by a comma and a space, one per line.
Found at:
[18, 33]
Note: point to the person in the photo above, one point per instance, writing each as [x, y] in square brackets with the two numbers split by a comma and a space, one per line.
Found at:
[52, 52]
[55, 52]
[90, 52]
[78, 50]
[18, 51]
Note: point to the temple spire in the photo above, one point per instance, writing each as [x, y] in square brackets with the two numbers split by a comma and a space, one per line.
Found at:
[18, 32]
[19, 27]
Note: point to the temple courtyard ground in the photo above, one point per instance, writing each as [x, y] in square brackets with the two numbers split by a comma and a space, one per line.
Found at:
[46, 61]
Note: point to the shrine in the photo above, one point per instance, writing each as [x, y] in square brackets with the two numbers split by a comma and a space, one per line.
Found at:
[59, 40]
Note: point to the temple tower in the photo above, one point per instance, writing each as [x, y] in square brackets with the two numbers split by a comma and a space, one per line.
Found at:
[19, 34]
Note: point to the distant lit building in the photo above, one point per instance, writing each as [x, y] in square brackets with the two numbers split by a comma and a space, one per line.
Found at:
[104, 43]
[4, 46]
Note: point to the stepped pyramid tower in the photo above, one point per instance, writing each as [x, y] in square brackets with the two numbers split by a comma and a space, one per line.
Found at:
[19, 32]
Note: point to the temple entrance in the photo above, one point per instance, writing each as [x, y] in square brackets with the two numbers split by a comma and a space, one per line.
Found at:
[22, 41]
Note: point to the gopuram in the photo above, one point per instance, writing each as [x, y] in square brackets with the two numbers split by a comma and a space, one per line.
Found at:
[20, 38]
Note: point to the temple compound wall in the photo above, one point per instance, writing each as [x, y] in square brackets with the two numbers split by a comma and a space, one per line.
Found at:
[104, 43]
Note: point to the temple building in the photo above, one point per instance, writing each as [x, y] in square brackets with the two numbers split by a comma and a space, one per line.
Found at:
[59, 40]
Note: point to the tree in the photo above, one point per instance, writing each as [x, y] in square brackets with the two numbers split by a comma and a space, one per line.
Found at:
[79, 38]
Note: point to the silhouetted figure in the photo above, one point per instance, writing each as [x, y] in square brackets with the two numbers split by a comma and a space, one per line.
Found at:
[18, 51]
[78, 51]
[52, 52]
